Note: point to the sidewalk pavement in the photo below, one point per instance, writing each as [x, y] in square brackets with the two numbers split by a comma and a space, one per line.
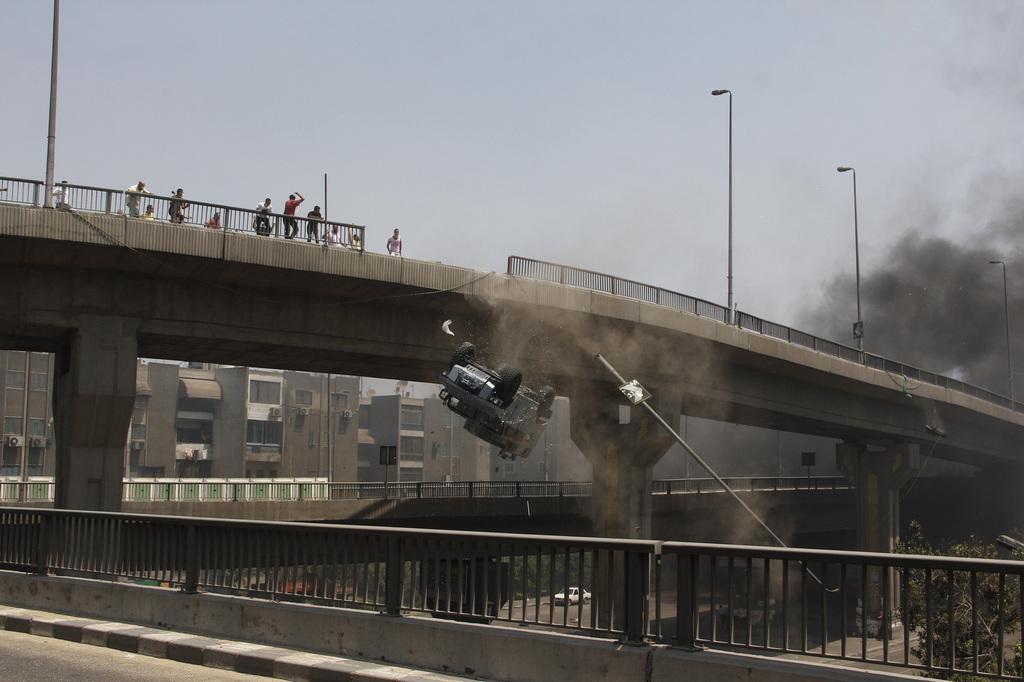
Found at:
[242, 657]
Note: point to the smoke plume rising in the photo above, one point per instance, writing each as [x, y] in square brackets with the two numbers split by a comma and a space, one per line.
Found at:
[937, 303]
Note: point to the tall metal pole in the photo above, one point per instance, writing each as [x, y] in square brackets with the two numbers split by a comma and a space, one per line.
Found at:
[51, 133]
[716, 93]
[1006, 312]
[325, 201]
[856, 249]
[858, 327]
[731, 309]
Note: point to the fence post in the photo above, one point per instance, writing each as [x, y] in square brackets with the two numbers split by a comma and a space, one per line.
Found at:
[686, 582]
[43, 545]
[110, 201]
[393, 577]
[35, 193]
[419, 490]
[638, 567]
[518, 490]
[191, 584]
[471, 489]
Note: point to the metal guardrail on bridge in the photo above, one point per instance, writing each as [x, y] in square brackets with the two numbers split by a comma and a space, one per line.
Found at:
[828, 604]
[589, 279]
[41, 488]
[104, 200]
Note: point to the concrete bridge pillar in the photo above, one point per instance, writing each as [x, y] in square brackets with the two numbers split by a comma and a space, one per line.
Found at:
[878, 475]
[623, 444]
[93, 396]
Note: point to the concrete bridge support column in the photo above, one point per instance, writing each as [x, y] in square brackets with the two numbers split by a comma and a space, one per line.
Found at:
[93, 396]
[623, 444]
[878, 475]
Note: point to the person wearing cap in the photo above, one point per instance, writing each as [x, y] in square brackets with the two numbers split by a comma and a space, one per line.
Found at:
[132, 195]
[395, 244]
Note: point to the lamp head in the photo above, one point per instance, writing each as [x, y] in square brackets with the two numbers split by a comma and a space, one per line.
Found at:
[843, 169]
[995, 262]
[716, 93]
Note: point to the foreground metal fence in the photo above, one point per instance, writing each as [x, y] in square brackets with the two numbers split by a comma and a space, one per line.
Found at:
[41, 488]
[877, 608]
[105, 200]
[903, 375]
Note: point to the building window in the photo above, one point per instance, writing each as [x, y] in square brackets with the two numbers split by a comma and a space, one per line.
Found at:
[339, 401]
[412, 417]
[15, 378]
[265, 392]
[313, 436]
[412, 445]
[138, 431]
[303, 397]
[37, 427]
[510, 467]
[12, 424]
[299, 422]
[262, 433]
[38, 381]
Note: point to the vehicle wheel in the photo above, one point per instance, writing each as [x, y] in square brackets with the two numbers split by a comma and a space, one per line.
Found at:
[463, 354]
[509, 380]
[545, 398]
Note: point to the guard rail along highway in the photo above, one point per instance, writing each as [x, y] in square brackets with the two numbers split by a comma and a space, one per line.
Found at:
[760, 600]
[588, 279]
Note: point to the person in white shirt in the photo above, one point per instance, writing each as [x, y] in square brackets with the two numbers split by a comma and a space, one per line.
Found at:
[132, 195]
[262, 222]
[333, 238]
[61, 194]
[395, 244]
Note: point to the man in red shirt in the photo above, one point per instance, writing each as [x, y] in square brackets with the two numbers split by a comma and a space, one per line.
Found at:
[291, 226]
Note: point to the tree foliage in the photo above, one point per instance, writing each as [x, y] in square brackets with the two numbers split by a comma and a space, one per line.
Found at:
[949, 635]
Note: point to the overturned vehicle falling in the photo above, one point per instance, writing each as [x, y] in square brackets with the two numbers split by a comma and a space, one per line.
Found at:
[497, 408]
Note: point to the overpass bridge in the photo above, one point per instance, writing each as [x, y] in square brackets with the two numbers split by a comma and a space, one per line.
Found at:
[100, 289]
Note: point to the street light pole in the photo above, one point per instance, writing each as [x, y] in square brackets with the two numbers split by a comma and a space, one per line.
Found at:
[858, 326]
[51, 132]
[716, 93]
[1006, 312]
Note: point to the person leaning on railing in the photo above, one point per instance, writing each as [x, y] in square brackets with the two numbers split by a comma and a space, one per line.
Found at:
[313, 218]
[178, 206]
[261, 222]
[132, 196]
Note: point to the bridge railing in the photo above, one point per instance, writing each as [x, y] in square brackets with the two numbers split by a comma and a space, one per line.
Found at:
[41, 488]
[886, 609]
[104, 200]
[904, 376]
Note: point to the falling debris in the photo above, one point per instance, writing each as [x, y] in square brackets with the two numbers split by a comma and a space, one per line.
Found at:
[446, 327]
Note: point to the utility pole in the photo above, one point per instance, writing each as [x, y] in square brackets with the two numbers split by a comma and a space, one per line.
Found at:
[51, 132]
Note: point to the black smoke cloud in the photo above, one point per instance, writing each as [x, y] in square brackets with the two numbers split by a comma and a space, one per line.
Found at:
[937, 303]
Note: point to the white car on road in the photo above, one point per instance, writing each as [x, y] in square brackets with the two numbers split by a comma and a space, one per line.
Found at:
[575, 593]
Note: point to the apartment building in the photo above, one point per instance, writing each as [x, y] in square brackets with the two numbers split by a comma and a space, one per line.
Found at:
[26, 442]
[225, 422]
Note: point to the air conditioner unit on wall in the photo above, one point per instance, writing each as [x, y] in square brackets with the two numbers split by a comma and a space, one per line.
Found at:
[275, 412]
[348, 414]
[303, 411]
[37, 442]
[14, 441]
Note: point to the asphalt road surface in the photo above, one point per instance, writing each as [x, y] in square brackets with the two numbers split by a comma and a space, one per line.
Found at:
[31, 658]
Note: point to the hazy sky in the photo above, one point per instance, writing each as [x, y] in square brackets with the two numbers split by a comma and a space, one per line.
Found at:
[577, 132]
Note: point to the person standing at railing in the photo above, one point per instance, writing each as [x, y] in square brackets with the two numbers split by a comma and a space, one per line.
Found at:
[395, 244]
[132, 195]
[313, 218]
[61, 194]
[291, 226]
[178, 206]
[261, 224]
[150, 214]
[332, 238]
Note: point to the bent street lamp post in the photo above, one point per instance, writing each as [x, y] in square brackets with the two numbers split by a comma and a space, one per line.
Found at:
[858, 326]
[51, 134]
[1006, 312]
[716, 93]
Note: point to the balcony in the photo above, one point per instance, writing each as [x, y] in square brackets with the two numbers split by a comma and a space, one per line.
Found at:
[262, 453]
[193, 451]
